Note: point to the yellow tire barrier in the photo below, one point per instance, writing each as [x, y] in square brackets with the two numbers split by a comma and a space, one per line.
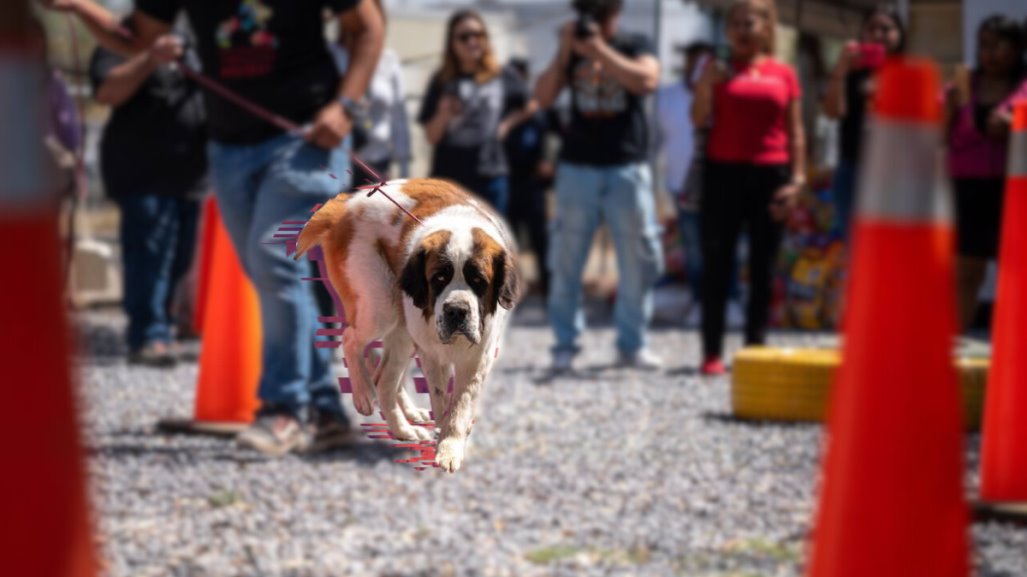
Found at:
[783, 384]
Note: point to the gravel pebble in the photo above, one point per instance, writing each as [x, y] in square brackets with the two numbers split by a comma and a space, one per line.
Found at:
[606, 472]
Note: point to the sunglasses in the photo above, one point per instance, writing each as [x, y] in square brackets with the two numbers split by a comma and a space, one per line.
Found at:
[465, 37]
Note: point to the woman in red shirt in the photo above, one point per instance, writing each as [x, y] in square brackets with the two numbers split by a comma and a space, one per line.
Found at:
[755, 168]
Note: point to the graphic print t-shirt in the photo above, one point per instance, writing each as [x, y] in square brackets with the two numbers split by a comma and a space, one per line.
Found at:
[470, 148]
[272, 52]
[608, 123]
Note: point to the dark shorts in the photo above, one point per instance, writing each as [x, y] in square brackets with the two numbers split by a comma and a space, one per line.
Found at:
[978, 216]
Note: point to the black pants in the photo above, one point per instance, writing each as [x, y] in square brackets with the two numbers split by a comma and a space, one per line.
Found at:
[527, 208]
[737, 195]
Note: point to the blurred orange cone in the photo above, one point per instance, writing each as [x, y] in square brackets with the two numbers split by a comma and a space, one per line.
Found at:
[45, 528]
[230, 357]
[1004, 442]
[210, 220]
[891, 503]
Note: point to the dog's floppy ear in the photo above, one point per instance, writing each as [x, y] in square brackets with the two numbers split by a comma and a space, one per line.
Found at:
[412, 281]
[506, 281]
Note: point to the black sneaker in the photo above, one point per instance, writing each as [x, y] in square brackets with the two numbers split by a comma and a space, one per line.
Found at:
[274, 433]
[329, 431]
[155, 354]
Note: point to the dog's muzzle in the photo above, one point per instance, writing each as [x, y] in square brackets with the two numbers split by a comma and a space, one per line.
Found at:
[456, 320]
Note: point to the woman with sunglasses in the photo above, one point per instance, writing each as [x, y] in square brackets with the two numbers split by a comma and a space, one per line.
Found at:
[470, 105]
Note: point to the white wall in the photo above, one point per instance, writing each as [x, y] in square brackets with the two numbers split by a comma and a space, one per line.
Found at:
[974, 11]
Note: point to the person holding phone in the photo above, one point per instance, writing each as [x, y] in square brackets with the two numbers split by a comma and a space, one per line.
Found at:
[471, 104]
[848, 92]
[978, 118]
[756, 168]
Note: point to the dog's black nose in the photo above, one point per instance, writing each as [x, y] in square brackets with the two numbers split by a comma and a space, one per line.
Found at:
[455, 313]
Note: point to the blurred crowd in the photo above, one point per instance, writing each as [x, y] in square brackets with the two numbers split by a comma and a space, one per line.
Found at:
[730, 129]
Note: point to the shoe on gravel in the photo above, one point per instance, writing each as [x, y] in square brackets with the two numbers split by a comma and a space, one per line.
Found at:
[155, 354]
[274, 433]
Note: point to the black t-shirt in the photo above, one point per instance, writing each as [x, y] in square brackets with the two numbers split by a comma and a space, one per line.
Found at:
[155, 142]
[272, 52]
[853, 123]
[608, 123]
[470, 148]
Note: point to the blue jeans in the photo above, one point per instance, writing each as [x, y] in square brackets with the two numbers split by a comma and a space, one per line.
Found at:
[844, 193]
[258, 186]
[622, 197]
[158, 235]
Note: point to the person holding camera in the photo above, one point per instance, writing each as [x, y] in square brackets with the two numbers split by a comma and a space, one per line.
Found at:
[848, 93]
[756, 168]
[603, 176]
[471, 104]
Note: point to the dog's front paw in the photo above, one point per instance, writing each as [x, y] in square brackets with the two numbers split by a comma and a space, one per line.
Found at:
[450, 455]
[412, 433]
[417, 415]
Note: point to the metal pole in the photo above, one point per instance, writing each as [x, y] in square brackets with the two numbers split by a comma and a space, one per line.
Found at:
[657, 40]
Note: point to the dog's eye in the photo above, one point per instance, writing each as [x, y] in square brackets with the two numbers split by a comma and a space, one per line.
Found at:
[440, 278]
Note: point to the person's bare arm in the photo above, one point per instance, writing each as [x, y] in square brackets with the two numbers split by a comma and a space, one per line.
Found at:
[640, 75]
[435, 128]
[834, 103]
[786, 196]
[364, 22]
[367, 30]
[516, 118]
[107, 29]
[702, 102]
[552, 82]
[122, 82]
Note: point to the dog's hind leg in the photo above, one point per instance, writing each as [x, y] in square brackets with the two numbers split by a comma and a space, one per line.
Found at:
[353, 346]
[396, 350]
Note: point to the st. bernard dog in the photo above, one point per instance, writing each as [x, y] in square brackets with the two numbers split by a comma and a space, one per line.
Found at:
[445, 285]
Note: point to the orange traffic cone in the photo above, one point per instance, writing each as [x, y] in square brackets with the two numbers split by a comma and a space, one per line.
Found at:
[46, 527]
[209, 221]
[891, 503]
[230, 358]
[1004, 443]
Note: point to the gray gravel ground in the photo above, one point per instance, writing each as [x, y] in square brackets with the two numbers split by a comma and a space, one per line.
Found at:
[608, 472]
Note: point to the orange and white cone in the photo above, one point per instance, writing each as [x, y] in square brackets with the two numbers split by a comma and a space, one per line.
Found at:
[230, 358]
[1004, 441]
[45, 528]
[891, 503]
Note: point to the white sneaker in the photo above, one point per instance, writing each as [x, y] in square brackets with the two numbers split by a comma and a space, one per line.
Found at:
[735, 315]
[563, 362]
[643, 359]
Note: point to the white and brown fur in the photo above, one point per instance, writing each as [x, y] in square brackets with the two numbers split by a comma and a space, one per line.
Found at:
[444, 286]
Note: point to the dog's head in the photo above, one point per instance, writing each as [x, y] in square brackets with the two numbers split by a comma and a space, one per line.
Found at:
[461, 278]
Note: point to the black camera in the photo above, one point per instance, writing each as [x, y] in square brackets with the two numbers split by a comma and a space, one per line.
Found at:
[592, 13]
[583, 28]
